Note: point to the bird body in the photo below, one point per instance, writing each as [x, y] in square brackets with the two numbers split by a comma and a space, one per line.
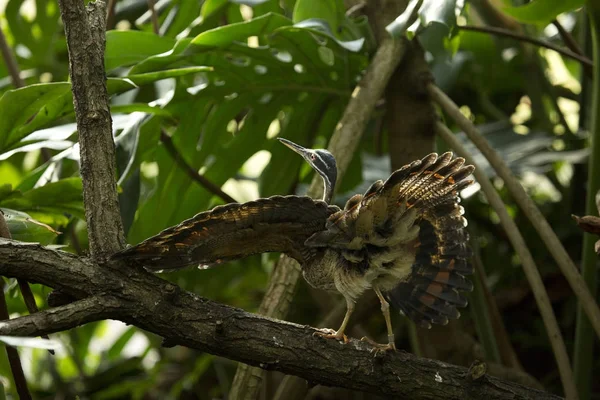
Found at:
[404, 238]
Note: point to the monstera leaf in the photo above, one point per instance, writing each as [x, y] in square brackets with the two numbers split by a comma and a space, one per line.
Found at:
[291, 79]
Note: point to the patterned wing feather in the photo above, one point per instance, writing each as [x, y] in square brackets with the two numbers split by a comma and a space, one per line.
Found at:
[274, 224]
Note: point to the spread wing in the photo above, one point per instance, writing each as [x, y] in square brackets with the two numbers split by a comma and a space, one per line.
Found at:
[410, 231]
[275, 224]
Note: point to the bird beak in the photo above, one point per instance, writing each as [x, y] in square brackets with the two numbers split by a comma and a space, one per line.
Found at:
[297, 148]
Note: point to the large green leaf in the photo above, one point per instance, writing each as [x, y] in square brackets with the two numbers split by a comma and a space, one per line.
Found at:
[24, 228]
[542, 12]
[128, 47]
[331, 11]
[295, 76]
[51, 204]
[25, 110]
[225, 35]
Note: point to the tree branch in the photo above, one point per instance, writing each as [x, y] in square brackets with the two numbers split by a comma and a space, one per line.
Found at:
[570, 42]
[137, 297]
[84, 29]
[13, 355]
[584, 61]
[11, 62]
[65, 317]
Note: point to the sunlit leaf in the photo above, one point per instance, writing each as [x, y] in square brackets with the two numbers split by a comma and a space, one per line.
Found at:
[52, 203]
[542, 12]
[36, 343]
[24, 228]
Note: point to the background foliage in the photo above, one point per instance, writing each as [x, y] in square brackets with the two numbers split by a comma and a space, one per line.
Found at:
[223, 79]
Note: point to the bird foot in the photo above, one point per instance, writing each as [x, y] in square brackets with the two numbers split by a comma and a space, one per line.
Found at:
[383, 347]
[331, 334]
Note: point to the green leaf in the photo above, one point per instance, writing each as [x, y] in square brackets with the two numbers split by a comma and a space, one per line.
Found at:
[542, 12]
[24, 110]
[118, 85]
[250, 3]
[114, 352]
[140, 107]
[125, 48]
[331, 11]
[211, 7]
[36, 343]
[26, 229]
[224, 117]
[51, 202]
[219, 37]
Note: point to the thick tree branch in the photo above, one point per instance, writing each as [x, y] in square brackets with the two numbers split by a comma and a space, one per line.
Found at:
[142, 299]
[84, 28]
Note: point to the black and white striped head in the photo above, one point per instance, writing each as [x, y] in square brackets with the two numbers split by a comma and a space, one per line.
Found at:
[321, 161]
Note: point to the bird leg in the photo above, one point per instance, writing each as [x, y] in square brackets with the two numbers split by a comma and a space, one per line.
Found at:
[339, 334]
[385, 309]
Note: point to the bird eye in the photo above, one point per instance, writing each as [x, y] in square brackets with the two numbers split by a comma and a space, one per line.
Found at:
[313, 157]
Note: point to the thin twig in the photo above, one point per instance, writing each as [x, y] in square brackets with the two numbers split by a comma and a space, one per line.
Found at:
[154, 17]
[192, 173]
[567, 38]
[527, 205]
[110, 14]
[12, 353]
[586, 62]
[342, 145]
[29, 300]
[11, 62]
[529, 267]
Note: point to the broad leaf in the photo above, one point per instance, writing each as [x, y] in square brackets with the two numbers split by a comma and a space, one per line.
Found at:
[24, 228]
[52, 203]
[125, 48]
[25, 110]
[542, 12]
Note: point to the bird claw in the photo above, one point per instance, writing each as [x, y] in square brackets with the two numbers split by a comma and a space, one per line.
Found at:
[379, 347]
[331, 334]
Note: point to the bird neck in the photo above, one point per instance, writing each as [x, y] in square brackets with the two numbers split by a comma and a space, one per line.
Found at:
[327, 190]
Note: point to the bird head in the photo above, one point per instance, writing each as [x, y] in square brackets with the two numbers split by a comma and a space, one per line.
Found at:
[321, 161]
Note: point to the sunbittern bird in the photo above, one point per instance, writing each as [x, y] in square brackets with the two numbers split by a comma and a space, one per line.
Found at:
[405, 238]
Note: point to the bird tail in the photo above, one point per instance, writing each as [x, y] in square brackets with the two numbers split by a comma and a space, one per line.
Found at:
[431, 292]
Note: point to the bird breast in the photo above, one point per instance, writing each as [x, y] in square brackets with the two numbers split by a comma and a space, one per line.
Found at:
[351, 272]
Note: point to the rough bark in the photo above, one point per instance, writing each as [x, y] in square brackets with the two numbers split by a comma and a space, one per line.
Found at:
[84, 28]
[142, 299]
